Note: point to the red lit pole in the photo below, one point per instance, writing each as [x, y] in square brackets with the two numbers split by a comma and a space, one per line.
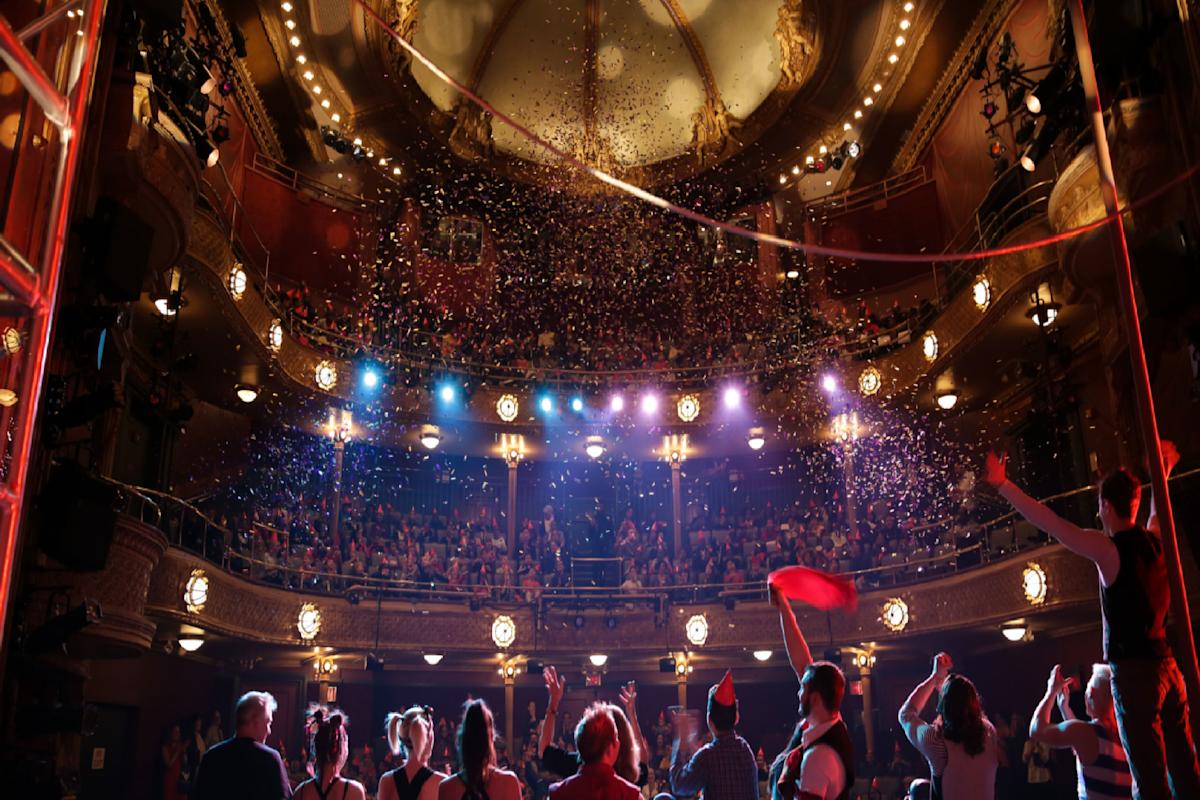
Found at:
[1185, 649]
[40, 292]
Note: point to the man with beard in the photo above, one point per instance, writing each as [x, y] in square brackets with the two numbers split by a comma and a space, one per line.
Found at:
[818, 762]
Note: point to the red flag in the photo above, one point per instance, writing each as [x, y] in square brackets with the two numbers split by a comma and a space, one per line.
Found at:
[816, 588]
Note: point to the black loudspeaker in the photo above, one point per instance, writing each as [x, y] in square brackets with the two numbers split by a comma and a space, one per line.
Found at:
[76, 516]
[117, 250]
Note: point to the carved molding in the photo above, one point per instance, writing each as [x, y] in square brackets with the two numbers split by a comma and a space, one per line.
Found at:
[712, 131]
[799, 44]
[240, 608]
[471, 137]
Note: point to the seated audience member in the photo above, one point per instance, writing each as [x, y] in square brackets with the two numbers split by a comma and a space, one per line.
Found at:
[599, 745]
[244, 766]
[411, 734]
[961, 745]
[478, 776]
[1101, 766]
[332, 747]
[725, 768]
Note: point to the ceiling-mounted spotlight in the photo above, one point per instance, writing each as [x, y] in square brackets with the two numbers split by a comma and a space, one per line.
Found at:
[989, 109]
[207, 152]
[594, 446]
[756, 438]
[190, 644]
[947, 399]
[851, 149]
[431, 437]
[246, 393]
[1046, 90]
[1015, 631]
[433, 659]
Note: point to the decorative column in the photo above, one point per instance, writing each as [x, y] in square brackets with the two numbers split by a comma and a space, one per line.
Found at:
[675, 449]
[513, 446]
[846, 430]
[339, 430]
[509, 673]
[866, 662]
[682, 668]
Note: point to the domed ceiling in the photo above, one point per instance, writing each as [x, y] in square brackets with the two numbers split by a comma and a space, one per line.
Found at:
[626, 83]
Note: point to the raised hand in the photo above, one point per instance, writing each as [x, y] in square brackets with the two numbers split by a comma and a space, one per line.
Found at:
[777, 598]
[942, 664]
[555, 686]
[1058, 683]
[628, 696]
[995, 468]
[1170, 455]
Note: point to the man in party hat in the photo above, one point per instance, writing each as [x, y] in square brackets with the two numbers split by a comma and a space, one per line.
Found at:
[724, 769]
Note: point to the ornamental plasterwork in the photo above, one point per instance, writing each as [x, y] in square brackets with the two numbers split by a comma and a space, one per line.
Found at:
[798, 45]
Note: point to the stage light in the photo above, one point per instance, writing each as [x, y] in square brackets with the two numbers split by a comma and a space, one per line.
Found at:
[732, 397]
[208, 154]
[326, 376]
[598, 659]
[163, 304]
[947, 399]
[762, 655]
[829, 383]
[504, 631]
[8, 398]
[308, 622]
[981, 293]
[246, 393]
[433, 659]
[1014, 631]
[850, 149]
[431, 437]
[370, 377]
[929, 346]
[447, 393]
[996, 149]
[688, 407]
[649, 404]
[792, 274]
[1044, 310]
[190, 644]
[696, 629]
[895, 614]
[756, 439]
[195, 591]
[507, 407]
[616, 404]
[546, 404]
[577, 404]
[275, 335]
[594, 447]
[908, 7]
[869, 381]
[1033, 583]
[989, 109]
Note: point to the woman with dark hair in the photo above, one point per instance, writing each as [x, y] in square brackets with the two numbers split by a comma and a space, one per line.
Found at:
[411, 733]
[961, 745]
[174, 751]
[331, 746]
[478, 777]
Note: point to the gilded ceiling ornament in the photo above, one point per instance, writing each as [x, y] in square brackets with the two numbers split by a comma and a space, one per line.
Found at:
[404, 22]
[797, 36]
[712, 130]
[471, 137]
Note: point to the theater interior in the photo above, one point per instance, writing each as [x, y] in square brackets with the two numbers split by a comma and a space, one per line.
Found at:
[379, 353]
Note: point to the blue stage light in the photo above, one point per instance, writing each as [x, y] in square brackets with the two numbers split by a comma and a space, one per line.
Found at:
[577, 404]
[546, 404]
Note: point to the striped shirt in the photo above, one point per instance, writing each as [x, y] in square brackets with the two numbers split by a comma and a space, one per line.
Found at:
[1108, 776]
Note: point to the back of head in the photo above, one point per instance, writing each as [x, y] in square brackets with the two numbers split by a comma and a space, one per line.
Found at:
[331, 745]
[1122, 491]
[595, 734]
[1099, 691]
[475, 749]
[251, 708]
[962, 714]
[825, 679]
[629, 757]
[399, 730]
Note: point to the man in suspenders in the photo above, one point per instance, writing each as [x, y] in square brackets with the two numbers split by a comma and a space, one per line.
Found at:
[1099, 758]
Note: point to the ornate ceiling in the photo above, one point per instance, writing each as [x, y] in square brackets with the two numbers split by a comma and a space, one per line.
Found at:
[653, 90]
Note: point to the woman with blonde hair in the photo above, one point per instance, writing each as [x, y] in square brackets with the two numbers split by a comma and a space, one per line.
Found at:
[411, 733]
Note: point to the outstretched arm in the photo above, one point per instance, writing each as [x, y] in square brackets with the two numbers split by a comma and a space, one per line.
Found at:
[554, 688]
[629, 701]
[793, 640]
[1089, 543]
[1170, 457]
[1068, 733]
[910, 712]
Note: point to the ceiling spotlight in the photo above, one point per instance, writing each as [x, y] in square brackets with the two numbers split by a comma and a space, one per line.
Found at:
[507, 407]
[294, 41]
[594, 446]
[762, 655]
[326, 375]
[163, 304]
[877, 88]
[370, 377]
[996, 148]
[908, 7]
[851, 149]
[756, 438]
[431, 437]
[900, 40]
[649, 404]
[190, 644]
[1032, 154]
[869, 101]
[577, 405]
[246, 393]
[1014, 631]
[732, 397]
[287, 7]
[947, 399]
[829, 383]
[207, 152]
[433, 659]
[688, 407]
[905, 24]
[616, 404]
[447, 393]
[1043, 316]
[893, 58]
[598, 659]
[546, 404]
[792, 274]
[989, 109]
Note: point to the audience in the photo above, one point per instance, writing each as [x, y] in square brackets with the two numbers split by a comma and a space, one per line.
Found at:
[599, 753]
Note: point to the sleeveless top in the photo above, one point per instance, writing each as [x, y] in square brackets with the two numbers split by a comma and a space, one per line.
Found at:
[410, 790]
[1108, 777]
[1135, 605]
[469, 794]
[329, 790]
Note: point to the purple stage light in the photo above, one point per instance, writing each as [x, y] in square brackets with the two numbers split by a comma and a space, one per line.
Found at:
[732, 397]
[617, 404]
[829, 383]
[649, 404]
